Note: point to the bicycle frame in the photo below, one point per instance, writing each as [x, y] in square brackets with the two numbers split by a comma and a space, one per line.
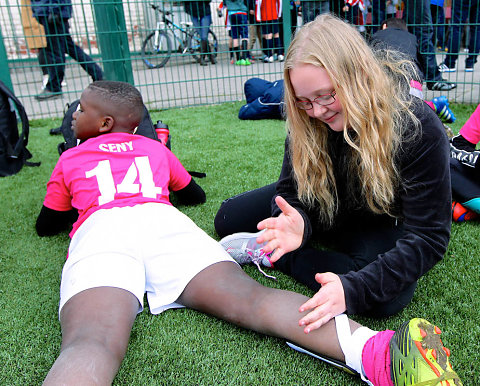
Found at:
[167, 24]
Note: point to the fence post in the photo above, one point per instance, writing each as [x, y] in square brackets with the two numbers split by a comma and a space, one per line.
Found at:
[4, 70]
[287, 24]
[113, 40]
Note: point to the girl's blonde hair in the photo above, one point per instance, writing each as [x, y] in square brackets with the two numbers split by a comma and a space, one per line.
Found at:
[373, 89]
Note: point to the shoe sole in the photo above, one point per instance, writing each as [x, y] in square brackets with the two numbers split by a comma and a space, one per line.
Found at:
[48, 98]
[425, 337]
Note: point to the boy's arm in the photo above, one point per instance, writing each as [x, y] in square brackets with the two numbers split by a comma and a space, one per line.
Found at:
[192, 194]
[50, 222]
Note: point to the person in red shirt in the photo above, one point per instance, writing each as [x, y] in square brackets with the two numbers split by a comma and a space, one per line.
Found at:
[268, 13]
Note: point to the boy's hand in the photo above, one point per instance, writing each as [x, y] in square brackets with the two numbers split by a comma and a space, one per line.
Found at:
[284, 233]
[327, 303]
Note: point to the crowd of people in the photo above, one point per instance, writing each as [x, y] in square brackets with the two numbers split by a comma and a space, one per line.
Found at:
[249, 20]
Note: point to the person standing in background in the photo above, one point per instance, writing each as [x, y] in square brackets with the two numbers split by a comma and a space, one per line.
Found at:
[53, 15]
[463, 12]
[201, 16]
[418, 16]
[438, 19]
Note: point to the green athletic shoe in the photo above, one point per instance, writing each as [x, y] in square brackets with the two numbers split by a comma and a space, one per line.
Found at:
[418, 356]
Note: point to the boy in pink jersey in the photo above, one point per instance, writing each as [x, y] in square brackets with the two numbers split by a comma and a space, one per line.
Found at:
[129, 240]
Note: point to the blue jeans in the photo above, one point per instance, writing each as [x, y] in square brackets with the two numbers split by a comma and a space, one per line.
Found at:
[419, 18]
[438, 19]
[378, 14]
[59, 43]
[202, 25]
[311, 9]
[461, 11]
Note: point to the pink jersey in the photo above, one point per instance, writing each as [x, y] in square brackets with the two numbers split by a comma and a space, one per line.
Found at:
[471, 129]
[113, 170]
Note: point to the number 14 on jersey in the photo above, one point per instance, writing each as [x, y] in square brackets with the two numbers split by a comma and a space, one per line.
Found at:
[139, 168]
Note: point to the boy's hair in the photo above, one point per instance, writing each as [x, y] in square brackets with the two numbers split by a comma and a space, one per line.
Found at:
[126, 98]
[395, 22]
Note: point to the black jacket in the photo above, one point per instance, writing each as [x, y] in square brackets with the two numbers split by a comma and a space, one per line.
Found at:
[423, 205]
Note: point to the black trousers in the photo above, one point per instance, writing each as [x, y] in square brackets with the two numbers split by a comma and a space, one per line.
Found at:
[59, 43]
[349, 249]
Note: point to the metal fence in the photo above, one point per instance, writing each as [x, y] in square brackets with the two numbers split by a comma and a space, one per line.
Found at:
[113, 33]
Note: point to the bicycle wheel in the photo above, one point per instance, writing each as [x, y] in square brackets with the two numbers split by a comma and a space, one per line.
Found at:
[156, 55]
[195, 48]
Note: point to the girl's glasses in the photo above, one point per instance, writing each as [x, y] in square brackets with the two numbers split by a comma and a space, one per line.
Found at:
[322, 100]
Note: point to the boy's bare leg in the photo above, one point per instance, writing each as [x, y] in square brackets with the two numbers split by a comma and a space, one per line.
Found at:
[225, 291]
[96, 326]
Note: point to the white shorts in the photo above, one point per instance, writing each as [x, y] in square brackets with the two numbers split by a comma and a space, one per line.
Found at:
[152, 248]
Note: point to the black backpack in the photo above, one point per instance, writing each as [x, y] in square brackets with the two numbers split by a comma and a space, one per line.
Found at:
[13, 146]
[145, 128]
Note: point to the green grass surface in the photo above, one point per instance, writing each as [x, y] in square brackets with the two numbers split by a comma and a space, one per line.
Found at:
[183, 346]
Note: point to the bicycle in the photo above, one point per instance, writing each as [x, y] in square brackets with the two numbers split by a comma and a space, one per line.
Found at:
[157, 46]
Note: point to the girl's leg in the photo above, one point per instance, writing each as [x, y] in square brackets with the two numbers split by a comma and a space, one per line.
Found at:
[244, 211]
[225, 291]
[96, 325]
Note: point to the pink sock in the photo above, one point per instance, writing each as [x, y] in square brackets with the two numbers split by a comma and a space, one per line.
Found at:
[376, 358]
[430, 103]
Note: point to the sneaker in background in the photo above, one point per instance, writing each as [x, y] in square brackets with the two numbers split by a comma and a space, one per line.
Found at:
[281, 58]
[441, 85]
[444, 68]
[443, 110]
[418, 356]
[461, 214]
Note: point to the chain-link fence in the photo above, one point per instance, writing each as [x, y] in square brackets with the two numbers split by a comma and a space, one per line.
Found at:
[154, 45]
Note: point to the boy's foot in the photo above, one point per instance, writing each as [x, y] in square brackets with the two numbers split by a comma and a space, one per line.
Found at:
[468, 68]
[244, 249]
[461, 214]
[418, 356]
[442, 85]
[444, 68]
[443, 110]
[47, 94]
[268, 59]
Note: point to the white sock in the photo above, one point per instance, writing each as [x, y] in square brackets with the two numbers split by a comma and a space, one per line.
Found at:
[352, 344]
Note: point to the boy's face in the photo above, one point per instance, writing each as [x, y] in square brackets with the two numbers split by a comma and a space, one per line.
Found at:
[88, 119]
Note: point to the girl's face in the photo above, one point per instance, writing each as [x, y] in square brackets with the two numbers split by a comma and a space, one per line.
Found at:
[310, 82]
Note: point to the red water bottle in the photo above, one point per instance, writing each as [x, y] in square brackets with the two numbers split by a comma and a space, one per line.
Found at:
[163, 132]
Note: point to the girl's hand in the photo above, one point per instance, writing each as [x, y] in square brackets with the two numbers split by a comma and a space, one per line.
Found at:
[284, 233]
[327, 303]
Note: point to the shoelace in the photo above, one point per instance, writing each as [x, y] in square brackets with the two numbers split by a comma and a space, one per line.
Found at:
[257, 256]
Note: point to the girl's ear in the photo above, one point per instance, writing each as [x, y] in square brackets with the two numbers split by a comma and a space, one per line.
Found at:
[107, 124]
